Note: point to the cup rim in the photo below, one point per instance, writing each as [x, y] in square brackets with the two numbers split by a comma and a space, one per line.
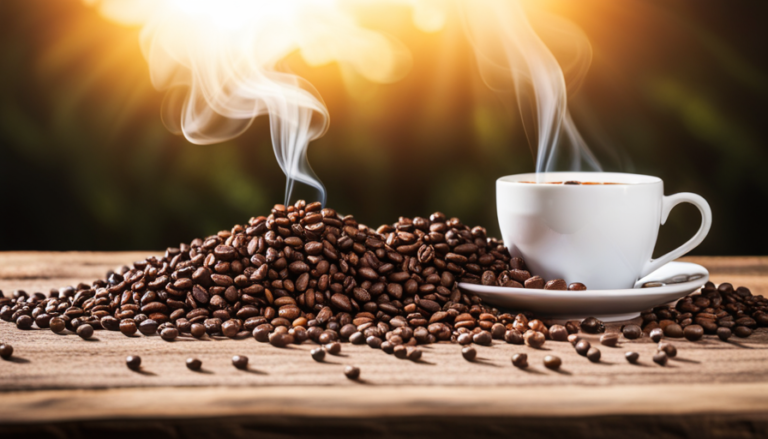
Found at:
[615, 177]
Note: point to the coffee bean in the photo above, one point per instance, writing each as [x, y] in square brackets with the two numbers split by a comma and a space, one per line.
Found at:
[660, 358]
[24, 322]
[194, 364]
[498, 330]
[169, 334]
[742, 331]
[552, 362]
[85, 331]
[483, 338]
[520, 360]
[318, 354]
[57, 325]
[556, 284]
[535, 282]
[724, 333]
[632, 332]
[668, 349]
[534, 339]
[591, 325]
[593, 355]
[582, 347]
[280, 340]
[573, 339]
[387, 347]
[512, 336]
[6, 351]
[133, 362]
[197, 330]
[240, 362]
[469, 353]
[352, 372]
[148, 327]
[572, 327]
[333, 348]
[230, 328]
[656, 334]
[414, 354]
[693, 332]
[610, 339]
[558, 333]
[373, 341]
[674, 331]
[465, 339]
[357, 338]
[577, 286]
[400, 352]
[632, 357]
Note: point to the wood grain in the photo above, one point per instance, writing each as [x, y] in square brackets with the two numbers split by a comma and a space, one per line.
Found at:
[62, 378]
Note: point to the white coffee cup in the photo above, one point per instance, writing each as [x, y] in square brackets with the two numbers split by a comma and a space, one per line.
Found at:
[600, 235]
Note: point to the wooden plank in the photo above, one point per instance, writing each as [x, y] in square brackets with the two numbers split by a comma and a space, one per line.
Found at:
[61, 377]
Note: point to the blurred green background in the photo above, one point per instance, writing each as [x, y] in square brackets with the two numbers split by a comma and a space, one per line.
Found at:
[676, 89]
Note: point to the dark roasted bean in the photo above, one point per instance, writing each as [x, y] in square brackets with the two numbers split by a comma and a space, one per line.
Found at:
[333, 348]
[674, 331]
[582, 347]
[593, 354]
[85, 331]
[591, 325]
[668, 349]
[520, 360]
[148, 327]
[724, 333]
[58, 325]
[194, 364]
[318, 354]
[632, 332]
[469, 353]
[742, 331]
[535, 282]
[632, 357]
[577, 286]
[660, 358]
[197, 330]
[558, 333]
[133, 362]
[352, 372]
[483, 338]
[556, 284]
[656, 334]
[24, 322]
[240, 362]
[534, 339]
[610, 339]
[693, 332]
[512, 336]
[169, 334]
[400, 352]
[573, 339]
[413, 354]
[6, 351]
[552, 362]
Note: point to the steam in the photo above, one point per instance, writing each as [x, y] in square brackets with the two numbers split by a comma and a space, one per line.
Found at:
[514, 60]
[219, 62]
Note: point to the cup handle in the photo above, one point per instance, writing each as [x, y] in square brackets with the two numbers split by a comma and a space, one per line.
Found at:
[667, 204]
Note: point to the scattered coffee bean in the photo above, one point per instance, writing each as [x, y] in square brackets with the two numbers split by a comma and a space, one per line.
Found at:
[387, 347]
[693, 332]
[240, 362]
[724, 333]
[128, 327]
[573, 339]
[534, 339]
[656, 334]
[556, 284]
[577, 286]
[85, 331]
[6, 351]
[465, 339]
[497, 331]
[674, 331]
[194, 364]
[742, 331]
[148, 327]
[333, 348]
[632, 357]
[197, 330]
[660, 358]
[169, 334]
[400, 352]
[520, 360]
[318, 354]
[593, 354]
[133, 362]
[483, 338]
[582, 347]
[352, 372]
[535, 282]
[513, 336]
[552, 362]
[24, 322]
[572, 326]
[414, 354]
[632, 332]
[57, 325]
[558, 333]
[280, 340]
[373, 341]
[357, 338]
[591, 325]
[610, 339]
[469, 353]
[668, 349]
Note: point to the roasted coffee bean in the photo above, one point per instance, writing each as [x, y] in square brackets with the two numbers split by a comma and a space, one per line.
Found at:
[724, 333]
[591, 325]
[465, 339]
[85, 331]
[280, 340]
[656, 334]
[483, 338]
[742, 331]
[582, 347]
[169, 334]
[57, 325]
[333, 348]
[693, 332]
[197, 330]
[240, 362]
[357, 338]
[660, 358]
[133, 362]
[498, 330]
[148, 327]
[534, 339]
[573, 339]
[24, 322]
[194, 364]
[318, 354]
[593, 355]
[577, 286]
[674, 331]
[469, 353]
[373, 341]
[520, 360]
[6, 351]
[352, 372]
[552, 362]
[387, 347]
[535, 282]
[632, 357]
[632, 332]
[558, 333]
[400, 352]
[414, 354]
[512, 336]
[610, 339]
[556, 284]
[668, 349]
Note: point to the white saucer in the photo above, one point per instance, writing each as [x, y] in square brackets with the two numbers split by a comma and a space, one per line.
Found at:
[679, 279]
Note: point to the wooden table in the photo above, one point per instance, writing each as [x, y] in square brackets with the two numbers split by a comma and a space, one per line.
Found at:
[62, 386]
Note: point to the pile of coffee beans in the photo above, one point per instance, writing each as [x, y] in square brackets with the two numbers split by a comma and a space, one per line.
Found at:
[720, 310]
[303, 272]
